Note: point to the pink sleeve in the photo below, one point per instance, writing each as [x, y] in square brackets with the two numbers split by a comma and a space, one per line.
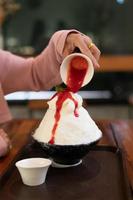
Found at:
[38, 73]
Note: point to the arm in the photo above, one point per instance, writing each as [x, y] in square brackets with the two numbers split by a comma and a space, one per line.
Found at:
[42, 72]
[17, 73]
[38, 73]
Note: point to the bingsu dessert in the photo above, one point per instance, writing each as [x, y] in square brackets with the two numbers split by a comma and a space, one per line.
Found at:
[66, 122]
[67, 125]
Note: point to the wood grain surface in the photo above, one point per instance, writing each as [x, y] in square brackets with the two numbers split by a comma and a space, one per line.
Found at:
[124, 134]
[20, 131]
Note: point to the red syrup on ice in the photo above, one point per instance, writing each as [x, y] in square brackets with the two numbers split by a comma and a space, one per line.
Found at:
[61, 97]
[76, 73]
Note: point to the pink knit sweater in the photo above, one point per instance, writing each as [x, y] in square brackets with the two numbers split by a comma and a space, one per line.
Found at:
[21, 74]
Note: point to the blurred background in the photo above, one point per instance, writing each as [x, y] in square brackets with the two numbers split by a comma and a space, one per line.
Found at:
[27, 25]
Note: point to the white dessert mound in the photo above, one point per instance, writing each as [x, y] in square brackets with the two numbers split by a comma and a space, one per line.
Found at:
[71, 130]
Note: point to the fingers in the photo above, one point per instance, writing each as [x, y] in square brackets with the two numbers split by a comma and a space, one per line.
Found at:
[93, 53]
[94, 49]
[83, 46]
[82, 42]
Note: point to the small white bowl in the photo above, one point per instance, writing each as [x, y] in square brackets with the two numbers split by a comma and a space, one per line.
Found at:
[65, 66]
[33, 171]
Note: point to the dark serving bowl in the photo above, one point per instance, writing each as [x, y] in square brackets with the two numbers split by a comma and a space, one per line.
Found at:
[66, 154]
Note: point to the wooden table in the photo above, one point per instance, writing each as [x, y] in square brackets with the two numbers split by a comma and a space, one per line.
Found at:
[115, 133]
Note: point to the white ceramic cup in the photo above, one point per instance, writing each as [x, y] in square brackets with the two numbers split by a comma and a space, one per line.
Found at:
[33, 171]
[65, 66]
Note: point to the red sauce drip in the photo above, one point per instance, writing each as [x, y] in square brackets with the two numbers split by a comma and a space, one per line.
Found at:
[62, 96]
[76, 74]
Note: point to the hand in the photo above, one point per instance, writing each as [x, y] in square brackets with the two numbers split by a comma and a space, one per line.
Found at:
[5, 143]
[82, 42]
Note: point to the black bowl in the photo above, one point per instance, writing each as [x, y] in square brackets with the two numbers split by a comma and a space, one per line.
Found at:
[66, 154]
